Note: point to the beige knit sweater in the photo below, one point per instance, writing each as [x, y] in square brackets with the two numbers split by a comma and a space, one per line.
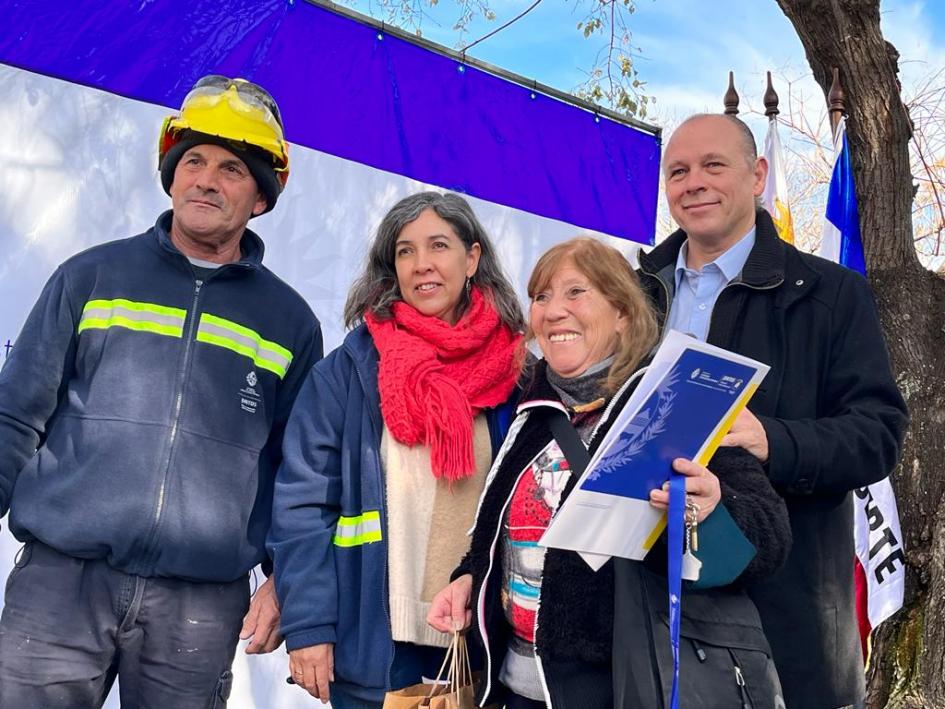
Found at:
[427, 523]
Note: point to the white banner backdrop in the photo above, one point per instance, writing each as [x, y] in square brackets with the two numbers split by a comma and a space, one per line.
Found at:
[78, 167]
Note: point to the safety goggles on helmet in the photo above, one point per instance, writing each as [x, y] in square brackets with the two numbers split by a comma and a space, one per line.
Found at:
[247, 90]
[233, 109]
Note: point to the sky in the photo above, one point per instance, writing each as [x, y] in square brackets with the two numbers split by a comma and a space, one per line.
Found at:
[683, 50]
[685, 47]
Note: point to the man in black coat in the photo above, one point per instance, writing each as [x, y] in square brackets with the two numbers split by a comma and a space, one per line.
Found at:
[827, 419]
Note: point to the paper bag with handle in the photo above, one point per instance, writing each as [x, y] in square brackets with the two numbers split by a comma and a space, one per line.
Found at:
[453, 688]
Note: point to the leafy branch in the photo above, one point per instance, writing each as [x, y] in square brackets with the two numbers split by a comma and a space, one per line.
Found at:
[612, 80]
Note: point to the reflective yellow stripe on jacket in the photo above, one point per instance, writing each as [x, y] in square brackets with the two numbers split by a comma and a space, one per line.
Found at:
[240, 339]
[143, 317]
[355, 531]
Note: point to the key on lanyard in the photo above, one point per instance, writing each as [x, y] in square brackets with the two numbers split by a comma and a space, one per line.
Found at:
[691, 566]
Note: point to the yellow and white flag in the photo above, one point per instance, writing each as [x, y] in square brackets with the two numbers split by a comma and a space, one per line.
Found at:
[775, 197]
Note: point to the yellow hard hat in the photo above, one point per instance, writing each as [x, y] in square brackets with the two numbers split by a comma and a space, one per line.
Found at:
[234, 110]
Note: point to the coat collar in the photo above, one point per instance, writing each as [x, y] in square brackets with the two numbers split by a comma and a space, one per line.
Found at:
[251, 246]
[764, 268]
[772, 264]
[539, 392]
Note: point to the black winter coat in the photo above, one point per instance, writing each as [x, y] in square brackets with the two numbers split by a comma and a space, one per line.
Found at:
[834, 420]
[575, 629]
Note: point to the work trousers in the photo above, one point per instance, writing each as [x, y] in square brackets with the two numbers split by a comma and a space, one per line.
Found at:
[70, 626]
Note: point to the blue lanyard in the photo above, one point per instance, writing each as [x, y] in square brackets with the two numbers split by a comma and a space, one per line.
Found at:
[677, 507]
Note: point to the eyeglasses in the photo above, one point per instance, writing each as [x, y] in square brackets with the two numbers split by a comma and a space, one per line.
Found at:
[247, 90]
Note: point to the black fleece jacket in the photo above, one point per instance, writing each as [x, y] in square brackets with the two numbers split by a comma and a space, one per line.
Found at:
[575, 622]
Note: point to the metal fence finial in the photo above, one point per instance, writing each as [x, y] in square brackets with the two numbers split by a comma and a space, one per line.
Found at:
[836, 100]
[771, 100]
[731, 96]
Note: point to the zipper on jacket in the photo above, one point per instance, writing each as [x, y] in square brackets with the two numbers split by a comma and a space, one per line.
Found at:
[538, 665]
[740, 681]
[385, 601]
[175, 423]
[385, 586]
[697, 648]
[480, 601]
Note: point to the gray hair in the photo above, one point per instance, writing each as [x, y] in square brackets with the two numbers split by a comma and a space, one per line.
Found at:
[376, 289]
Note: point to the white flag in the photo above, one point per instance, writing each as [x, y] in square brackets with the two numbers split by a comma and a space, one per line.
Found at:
[775, 196]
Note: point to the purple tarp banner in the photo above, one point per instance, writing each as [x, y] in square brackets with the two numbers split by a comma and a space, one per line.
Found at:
[348, 89]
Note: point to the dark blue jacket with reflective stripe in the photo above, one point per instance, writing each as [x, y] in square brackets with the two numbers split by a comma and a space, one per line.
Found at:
[337, 592]
[142, 408]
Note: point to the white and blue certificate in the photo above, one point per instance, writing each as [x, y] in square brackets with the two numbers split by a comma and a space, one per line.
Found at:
[682, 407]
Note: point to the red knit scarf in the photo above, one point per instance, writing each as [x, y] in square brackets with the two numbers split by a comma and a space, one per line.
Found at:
[435, 377]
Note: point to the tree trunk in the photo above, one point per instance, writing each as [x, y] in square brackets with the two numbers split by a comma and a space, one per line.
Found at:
[907, 667]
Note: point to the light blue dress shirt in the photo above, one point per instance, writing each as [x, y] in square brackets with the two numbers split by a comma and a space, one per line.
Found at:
[698, 289]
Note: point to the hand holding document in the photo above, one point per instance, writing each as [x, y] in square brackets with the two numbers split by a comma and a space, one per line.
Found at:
[682, 407]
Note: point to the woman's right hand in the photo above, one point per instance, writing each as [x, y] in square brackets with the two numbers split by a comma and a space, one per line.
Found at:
[449, 610]
[312, 668]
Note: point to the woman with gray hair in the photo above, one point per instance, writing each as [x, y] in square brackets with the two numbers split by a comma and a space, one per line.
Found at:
[387, 450]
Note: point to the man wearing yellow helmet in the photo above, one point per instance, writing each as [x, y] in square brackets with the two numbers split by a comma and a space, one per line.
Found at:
[141, 419]
[237, 115]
